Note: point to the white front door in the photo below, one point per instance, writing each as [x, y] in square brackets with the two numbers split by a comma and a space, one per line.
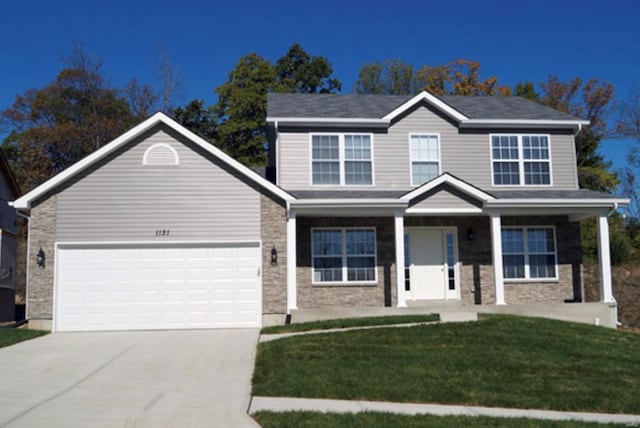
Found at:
[432, 264]
[426, 257]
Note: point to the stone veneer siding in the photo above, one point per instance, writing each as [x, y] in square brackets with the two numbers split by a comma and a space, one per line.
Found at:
[42, 234]
[475, 263]
[569, 251]
[273, 234]
[383, 293]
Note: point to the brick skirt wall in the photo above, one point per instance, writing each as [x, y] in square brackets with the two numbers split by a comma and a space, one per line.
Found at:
[383, 293]
[474, 256]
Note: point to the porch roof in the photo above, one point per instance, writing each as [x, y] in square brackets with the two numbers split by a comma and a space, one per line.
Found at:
[576, 203]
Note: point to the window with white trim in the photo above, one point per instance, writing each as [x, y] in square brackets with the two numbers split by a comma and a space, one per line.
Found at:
[521, 159]
[343, 255]
[425, 158]
[341, 159]
[529, 253]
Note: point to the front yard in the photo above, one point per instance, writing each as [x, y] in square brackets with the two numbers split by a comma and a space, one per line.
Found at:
[500, 361]
[386, 420]
[10, 336]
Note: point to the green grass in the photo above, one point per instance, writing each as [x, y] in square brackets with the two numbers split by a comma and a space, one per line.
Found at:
[500, 361]
[9, 336]
[349, 322]
[387, 420]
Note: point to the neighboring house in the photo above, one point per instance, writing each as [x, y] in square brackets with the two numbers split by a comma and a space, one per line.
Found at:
[8, 243]
[378, 201]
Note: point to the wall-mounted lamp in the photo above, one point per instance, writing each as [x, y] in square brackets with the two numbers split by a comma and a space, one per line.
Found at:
[470, 235]
[274, 256]
[40, 258]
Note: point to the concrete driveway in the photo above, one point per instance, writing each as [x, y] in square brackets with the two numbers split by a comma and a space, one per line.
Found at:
[192, 378]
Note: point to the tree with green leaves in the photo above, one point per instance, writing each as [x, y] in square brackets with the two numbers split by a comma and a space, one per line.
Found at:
[53, 127]
[299, 72]
[240, 113]
[588, 100]
[242, 108]
[395, 77]
[198, 119]
[526, 90]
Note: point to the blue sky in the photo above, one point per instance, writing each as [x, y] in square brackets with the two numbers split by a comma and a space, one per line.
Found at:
[513, 40]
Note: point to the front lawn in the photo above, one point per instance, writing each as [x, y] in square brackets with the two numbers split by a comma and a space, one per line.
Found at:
[350, 322]
[500, 361]
[387, 420]
[9, 336]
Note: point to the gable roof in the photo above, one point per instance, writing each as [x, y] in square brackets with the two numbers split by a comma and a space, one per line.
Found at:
[451, 180]
[468, 111]
[25, 201]
[8, 175]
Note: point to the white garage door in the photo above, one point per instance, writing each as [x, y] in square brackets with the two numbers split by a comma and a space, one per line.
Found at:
[152, 287]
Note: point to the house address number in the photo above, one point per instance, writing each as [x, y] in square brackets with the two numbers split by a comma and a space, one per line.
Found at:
[162, 232]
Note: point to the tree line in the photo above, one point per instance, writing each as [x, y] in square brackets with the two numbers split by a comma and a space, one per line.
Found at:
[48, 129]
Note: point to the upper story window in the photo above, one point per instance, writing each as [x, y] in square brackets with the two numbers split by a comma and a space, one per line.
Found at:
[341, 159]
[521, 160]
[425, 158]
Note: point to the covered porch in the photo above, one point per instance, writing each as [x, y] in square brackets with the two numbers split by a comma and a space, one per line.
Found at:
[449, 244]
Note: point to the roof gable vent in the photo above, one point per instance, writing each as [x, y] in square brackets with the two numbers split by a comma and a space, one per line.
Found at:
[160, 154]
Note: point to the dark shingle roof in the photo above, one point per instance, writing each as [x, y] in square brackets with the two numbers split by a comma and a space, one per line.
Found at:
[346, 194]
[376, 106]
[504, 108]
[499, 194]
[551, 194]
[332, 105]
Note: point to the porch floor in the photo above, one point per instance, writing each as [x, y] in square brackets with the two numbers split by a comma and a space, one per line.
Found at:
[604, 314]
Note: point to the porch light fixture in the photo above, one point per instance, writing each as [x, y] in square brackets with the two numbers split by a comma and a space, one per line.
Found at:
[470, 235]
[274, 256]
[40, 258]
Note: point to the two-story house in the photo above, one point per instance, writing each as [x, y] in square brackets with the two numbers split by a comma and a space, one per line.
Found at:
[370, 202]
[411, 199]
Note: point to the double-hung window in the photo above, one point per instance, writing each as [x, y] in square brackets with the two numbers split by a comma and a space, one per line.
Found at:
[341, 159]
[521, 160]
[343, 255]
[529, 252]
[425, 158]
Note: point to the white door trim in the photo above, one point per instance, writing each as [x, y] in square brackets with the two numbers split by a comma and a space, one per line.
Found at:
[449, 294]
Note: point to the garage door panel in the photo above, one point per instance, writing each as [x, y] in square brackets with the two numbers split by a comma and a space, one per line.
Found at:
[124, 288]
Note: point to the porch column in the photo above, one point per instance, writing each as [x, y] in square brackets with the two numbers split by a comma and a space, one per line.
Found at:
[399, 232]
[292, 302]
[496, 248]
[604, 257]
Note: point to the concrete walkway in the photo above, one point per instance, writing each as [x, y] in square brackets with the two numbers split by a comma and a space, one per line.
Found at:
[188, 378]
[284, 404]
[444, 318]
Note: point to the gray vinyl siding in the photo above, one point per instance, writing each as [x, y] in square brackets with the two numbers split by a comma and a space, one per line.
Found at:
[464, 154]
[444, 199]
[122, 200]
[8, 216]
